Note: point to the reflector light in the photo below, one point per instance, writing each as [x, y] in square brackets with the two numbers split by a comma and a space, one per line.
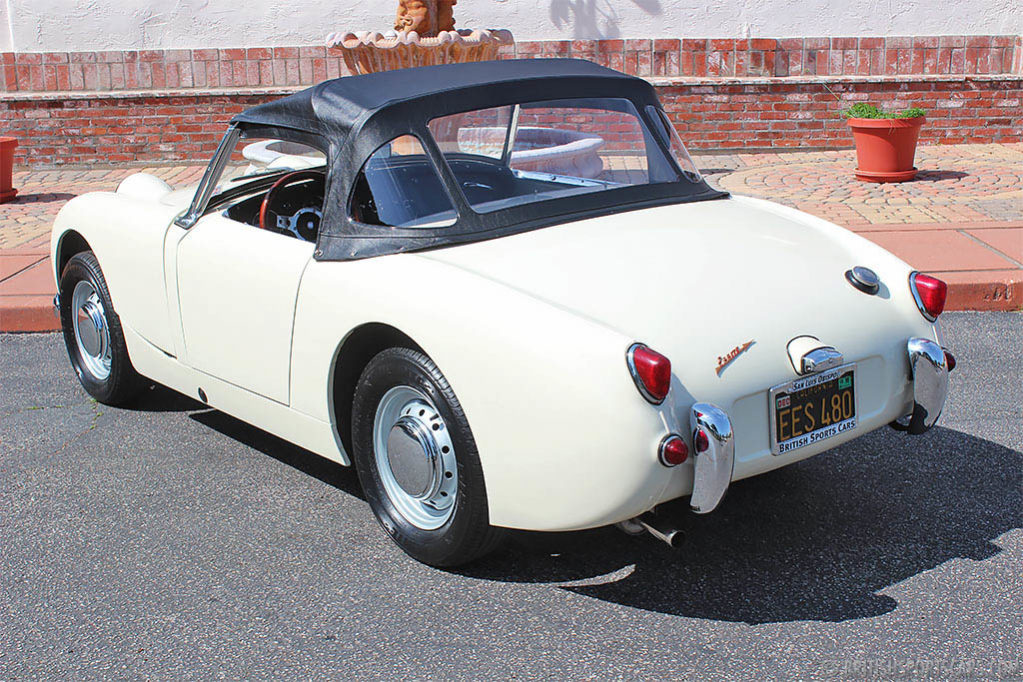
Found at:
[700, 441]
[950, 360]
[651, 371]
[929, 293]
[674, 451]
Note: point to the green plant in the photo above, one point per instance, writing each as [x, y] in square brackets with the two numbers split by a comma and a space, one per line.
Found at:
[864, 110]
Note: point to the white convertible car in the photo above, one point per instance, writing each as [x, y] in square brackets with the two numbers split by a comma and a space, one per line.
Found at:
[502, 292]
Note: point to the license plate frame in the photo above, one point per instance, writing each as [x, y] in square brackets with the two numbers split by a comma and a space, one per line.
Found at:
[825, 431]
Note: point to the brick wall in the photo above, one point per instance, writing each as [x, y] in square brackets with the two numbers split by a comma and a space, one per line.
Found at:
[170, 105]
[715, 58]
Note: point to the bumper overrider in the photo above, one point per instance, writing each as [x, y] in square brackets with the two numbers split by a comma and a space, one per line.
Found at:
[929, 365]
[714, 443]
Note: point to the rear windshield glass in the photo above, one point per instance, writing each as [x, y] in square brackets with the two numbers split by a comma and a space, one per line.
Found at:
[513, 155]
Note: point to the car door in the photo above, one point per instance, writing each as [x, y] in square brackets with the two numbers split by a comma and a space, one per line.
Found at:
[237, 286]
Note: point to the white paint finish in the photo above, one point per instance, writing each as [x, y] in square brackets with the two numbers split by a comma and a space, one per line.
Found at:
[6, 29]
[266, 414]
[237, 286]
[531, 331]
[126, 234]
[69, 25]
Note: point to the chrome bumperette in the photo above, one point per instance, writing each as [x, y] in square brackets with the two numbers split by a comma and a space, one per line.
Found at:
[928, 372]
[712, 468]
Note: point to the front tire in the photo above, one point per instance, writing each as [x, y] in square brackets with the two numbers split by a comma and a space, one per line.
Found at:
[417, 460]
[92, 333]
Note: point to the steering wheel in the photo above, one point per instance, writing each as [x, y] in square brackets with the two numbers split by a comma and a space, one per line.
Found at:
[305, 222]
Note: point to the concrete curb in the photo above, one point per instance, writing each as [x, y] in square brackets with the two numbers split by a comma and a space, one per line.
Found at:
[32, 311]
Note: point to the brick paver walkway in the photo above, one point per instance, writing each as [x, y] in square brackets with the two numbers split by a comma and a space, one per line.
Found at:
[962, 218]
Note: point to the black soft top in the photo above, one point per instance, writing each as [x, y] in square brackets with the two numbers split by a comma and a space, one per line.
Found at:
[349, 118]
[339, 105]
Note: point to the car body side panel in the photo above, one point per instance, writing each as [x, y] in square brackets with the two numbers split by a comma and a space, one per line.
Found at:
[237, 286]
[268, 415]
[564, 437]
[127, 236]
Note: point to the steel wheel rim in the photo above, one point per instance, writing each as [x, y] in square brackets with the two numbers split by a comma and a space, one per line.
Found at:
[92, 333]
[415, 457]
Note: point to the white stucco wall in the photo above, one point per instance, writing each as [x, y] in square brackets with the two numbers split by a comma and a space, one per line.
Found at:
[59, 25]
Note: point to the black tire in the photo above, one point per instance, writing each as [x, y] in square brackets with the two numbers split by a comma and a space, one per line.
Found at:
[123, 382]
[467, 534]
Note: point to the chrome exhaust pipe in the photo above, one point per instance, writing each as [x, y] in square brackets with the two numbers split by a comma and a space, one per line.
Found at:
[662, 529]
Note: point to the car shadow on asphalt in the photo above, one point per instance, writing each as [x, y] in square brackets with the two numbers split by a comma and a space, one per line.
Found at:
[818, 540]
[333, 474]
[158, 398]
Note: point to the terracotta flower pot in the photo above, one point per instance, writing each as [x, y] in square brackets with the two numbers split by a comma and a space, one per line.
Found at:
[7, 191]
[885, 148]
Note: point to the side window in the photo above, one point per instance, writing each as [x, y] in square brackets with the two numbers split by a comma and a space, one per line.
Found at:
[399, 187]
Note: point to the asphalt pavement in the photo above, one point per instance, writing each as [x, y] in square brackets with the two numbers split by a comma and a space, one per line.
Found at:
[171, 541]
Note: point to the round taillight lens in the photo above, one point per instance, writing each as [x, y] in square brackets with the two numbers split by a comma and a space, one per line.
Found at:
[929, 292]
[673, 451]
[651, 371]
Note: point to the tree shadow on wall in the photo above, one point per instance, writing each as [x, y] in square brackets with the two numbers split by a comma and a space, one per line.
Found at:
[590, 19]
[819, 540]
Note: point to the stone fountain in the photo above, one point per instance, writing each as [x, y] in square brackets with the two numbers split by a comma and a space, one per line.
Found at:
[424, 34]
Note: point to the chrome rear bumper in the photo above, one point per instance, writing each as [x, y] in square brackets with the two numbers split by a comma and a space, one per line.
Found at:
[928, 372]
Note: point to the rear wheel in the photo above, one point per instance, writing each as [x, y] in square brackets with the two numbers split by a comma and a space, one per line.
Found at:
[417, 460]
[92, 333]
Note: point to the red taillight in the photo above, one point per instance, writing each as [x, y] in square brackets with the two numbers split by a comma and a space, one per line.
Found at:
[673, 451]
[929, 293]
[651, 371]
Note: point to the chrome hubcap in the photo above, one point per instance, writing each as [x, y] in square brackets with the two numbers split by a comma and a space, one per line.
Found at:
[415, 457]
[92, 334]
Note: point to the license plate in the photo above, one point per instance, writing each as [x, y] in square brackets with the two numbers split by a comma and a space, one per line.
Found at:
[813, 408]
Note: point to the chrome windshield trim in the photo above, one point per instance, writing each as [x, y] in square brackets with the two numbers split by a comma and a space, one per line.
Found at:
[204, 192]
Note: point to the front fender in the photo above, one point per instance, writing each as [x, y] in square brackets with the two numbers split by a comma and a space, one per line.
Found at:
[127, 236]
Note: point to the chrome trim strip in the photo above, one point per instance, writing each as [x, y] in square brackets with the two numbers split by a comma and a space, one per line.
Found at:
[928, 371]
[635, 375]
[916, 297]
[712, 468]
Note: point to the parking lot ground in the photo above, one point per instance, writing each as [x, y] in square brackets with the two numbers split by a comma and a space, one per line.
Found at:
[170, 541]
[961, 219]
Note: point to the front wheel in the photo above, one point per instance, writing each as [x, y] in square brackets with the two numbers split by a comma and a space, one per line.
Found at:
[92, 333]
[417, 460]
